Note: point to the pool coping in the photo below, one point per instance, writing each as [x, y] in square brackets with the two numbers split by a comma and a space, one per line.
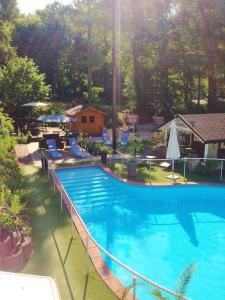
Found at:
[132, 182]
[95, 255]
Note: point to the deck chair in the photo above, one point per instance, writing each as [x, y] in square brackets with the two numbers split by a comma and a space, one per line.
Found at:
[74, 149]
[105, 136]
[124, 138]
[55, 154]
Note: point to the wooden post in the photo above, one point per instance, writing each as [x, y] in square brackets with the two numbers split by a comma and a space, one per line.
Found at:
[221, 171]
[150, 171]
[185, 162]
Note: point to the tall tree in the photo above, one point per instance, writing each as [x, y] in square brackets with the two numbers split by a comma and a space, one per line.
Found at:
[7, 52]
[8, 10]
[20, 82]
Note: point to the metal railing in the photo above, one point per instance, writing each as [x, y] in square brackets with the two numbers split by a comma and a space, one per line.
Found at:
[72, 209]
[124, 158]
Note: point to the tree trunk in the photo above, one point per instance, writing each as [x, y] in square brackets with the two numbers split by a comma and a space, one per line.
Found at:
[137, 82]
[210, 45]
[163, 75]
[199, 91]
[90, 66]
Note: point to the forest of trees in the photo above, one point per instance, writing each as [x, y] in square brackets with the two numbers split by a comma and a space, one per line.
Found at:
[171, 52]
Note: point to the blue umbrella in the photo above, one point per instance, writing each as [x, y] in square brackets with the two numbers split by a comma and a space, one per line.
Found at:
[56, 118]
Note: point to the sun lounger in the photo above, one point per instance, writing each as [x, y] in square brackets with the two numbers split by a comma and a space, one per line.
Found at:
[106, 139]
[55, 154]
[124, 138]
[74, 148]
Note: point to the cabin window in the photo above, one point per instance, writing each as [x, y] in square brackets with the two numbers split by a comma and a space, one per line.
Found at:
[92, 119]
[84, 119]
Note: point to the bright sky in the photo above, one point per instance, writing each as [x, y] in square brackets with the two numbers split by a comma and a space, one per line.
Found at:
[29, 6]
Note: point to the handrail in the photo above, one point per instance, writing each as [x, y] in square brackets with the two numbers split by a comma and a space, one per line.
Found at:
[164, 159]
[134, 273]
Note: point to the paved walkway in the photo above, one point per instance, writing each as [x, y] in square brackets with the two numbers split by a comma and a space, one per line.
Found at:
[23, 154]
[31, 154]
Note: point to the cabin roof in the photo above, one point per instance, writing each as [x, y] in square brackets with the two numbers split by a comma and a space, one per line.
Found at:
[80, 109]
[210, 128]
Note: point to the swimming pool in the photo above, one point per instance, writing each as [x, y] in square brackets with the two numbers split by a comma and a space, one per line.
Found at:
[157, 231]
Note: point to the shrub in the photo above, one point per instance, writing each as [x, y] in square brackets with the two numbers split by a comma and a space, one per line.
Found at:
[207, 168]
[157, 138]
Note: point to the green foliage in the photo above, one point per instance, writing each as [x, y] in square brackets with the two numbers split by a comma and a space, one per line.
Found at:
[7, 221]
[16, 207]
[11, 182]
[208, 167]
[157, 138]
[96, 148]
[96, 94]
[7, 52]
[20, 82]
[135, 145]
[22, 138]
[171, 52]
[185, 279]
[181, 287]
[158, 295]
[8, 10]
[6, 125]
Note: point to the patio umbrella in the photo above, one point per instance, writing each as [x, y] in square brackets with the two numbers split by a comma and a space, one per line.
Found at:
[36, 104]
[173, 150]
[56, 118]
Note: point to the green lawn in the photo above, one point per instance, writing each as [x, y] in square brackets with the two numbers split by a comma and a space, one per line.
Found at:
[158, 174]
[55, 253]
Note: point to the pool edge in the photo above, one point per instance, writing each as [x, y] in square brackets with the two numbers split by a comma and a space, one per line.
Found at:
[111, 281]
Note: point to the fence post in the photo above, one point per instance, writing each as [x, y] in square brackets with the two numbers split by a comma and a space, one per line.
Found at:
[150, 171]
[87, 255]
[71, 219]
[110, 161]
[185, 162]
[53, 183]
[61, 198]
[122, 168]
[43, 161]
[221, 171]
[134, 287]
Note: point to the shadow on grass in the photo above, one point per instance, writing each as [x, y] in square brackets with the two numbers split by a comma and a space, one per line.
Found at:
[63, 264]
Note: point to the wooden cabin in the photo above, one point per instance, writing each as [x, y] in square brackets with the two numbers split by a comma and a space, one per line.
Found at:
[89, 120]
[204, 133]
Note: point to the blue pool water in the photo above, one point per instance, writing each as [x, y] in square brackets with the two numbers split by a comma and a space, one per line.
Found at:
[156, 231]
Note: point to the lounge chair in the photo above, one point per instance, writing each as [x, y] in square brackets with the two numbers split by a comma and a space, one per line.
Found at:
[105, 136]
[55, 154]
[74, 149]
[124, 138]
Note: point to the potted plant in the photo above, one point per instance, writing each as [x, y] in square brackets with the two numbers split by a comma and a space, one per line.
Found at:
[103, 153]
[133, 147]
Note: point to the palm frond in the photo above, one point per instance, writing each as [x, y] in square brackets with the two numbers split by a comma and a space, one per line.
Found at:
[184, 280]
[126, 291]
[158, 295]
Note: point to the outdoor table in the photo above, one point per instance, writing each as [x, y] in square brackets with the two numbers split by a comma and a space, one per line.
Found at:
[173, 177]
[150, 156]
[165, 164]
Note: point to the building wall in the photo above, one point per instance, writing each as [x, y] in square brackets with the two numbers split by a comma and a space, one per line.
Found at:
[93, 129]
[212, 150]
